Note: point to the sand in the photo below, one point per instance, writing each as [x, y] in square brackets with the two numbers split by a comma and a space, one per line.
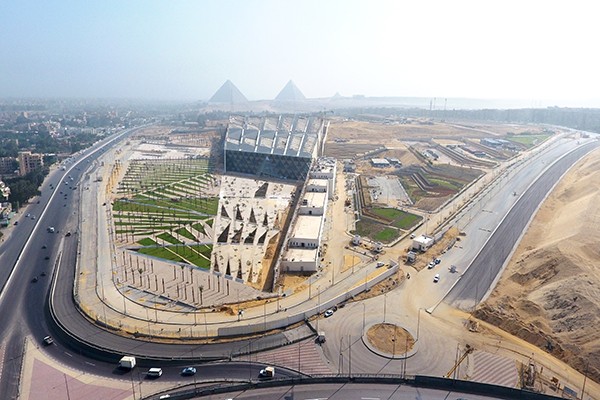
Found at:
[549, 293]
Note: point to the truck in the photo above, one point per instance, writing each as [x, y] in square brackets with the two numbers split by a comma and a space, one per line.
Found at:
[127, 362]
[267, 372]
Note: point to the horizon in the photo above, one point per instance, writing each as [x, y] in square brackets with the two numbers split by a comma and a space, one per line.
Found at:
[533, 53]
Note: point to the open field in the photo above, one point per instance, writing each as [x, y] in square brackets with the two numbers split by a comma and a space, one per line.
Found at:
[549, 293]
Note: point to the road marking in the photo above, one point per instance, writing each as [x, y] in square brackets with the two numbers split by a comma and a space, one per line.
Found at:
[89, 363]
[70, 355]
[369, 398]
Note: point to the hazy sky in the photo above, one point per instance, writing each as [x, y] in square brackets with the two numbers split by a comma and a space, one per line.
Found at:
[176, 49]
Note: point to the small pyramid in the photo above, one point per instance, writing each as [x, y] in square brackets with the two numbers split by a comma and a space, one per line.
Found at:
[290, 92]
[228, 93]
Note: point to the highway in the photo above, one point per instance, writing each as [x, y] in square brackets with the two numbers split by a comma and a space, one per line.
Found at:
[479, 278]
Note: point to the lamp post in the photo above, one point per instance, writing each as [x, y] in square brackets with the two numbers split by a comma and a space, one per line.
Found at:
[418, 322]
[364, 312]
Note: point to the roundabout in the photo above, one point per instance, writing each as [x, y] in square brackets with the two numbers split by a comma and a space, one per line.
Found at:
[390, 341]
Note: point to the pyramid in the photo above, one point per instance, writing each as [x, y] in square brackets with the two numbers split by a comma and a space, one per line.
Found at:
[290, 92]
[228, 93]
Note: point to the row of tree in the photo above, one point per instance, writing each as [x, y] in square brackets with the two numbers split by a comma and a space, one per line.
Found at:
[22, 188]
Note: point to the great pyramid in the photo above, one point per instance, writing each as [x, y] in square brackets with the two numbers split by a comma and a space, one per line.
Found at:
[228, 93]
[290, 92]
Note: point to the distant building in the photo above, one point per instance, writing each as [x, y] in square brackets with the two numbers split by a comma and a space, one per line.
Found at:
[349, 166]
[29, 162]
[380, 162]
[395, 162]
[491, 142]
[7, 165]
[279, 154]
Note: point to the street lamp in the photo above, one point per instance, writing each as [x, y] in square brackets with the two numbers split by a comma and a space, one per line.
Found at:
[418, 322]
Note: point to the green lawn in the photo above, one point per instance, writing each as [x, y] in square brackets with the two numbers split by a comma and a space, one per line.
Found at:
[191, 254]
[528, 140]
[387, 213]
[407, 221]
[386, 235]
[160, 252]
[185, 233]
[167, 237]
[147, 242]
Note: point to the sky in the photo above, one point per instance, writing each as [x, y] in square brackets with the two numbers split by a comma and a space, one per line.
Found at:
[536, 51]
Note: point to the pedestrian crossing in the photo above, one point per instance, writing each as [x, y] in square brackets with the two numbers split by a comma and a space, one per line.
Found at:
[305, 356]
[494, 369]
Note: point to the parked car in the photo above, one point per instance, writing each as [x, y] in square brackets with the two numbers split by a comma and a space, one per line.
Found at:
[48, 340]
[328, 313]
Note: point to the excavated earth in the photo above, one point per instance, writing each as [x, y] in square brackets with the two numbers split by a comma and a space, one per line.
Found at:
[549, 294]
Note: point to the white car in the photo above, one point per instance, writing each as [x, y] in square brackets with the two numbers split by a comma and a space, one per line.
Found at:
[328, 313]
[436, 278]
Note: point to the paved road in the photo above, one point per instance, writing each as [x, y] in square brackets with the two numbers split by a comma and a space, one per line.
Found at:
[484, 270]
[348, 392]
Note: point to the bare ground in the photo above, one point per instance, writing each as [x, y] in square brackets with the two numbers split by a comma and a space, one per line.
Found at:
[549, 293]
[390, 339]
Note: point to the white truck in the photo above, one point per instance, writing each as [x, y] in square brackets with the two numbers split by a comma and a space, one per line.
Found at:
[267, 372]
[127, 362]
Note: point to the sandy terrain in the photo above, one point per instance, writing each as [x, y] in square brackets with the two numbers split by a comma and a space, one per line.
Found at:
[390, 339]
[549, 293]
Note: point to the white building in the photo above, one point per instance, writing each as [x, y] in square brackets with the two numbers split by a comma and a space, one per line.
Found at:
[380, 162]
[300, 260]
[313, 203]
[422, 242]
[317, 185]
[325, 168]
[307, 232]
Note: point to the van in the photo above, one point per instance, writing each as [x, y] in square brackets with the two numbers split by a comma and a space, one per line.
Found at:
[154, 372]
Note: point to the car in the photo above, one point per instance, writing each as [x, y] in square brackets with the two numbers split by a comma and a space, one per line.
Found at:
[16, 223]
[28, 215]
[154, 372]
[436, 278]
[188, 371]
[412, 236]
[430, 265]
[47, 258]
[48, 340]
[43, 273]
[437, 261]
[44, 247]
[328, 313]
[33, 217]
[68, 233]
[34, 279]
